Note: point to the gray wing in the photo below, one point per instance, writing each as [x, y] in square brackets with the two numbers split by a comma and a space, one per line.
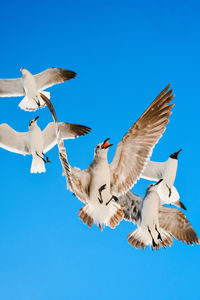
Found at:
[153, 170]
[11, 87]
[137, 145]
[174, 221]
[132, 206]
[52, 76]
[14, 141]
[67, 131]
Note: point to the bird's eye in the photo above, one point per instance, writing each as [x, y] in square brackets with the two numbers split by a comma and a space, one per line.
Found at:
[97, 147]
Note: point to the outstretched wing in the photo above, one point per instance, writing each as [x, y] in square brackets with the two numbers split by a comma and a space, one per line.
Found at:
[11, 87]
[174, 221]
[52, 76]
[136, 147]
[153, 170]
[67, 131]
[14, 141]
[132, 206]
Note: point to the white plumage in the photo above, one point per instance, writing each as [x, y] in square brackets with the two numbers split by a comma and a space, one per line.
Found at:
[37, 142]
[32, 86]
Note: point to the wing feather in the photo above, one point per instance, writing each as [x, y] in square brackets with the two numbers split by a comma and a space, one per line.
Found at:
[174, 221]
[52, 76]
[14, 141]
[137, 145]
[153, 170]
[132, 206]
[67, 131]
[11, 87]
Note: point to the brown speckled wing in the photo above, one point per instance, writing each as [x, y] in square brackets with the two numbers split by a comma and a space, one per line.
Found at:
[135, 149]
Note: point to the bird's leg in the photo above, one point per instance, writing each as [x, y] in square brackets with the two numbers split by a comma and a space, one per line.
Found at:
[41, 158]
[37, 100]
[46, 158]
[100, 190]
[153, 242]
[170, 191]
[159, 236]
[113, 197]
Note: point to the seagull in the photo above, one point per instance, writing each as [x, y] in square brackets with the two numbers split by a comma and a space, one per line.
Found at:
[167, 222]
[32, 86]
[37, 142]
[167, 171]
[101, 183]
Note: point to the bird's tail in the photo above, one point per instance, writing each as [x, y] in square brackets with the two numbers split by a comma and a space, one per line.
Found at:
[110, 215]
[29, 104]
[37, 165]
[140, 238]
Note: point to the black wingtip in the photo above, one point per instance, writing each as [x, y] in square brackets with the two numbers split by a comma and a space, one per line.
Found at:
[80, 130]
[67, 74]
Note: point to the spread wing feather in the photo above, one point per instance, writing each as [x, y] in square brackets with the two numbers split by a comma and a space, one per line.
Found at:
[136, 147]
[77, 181]
[11, 87]
[153, 170]
[67, 131]
[174, 221]
[132, 206]
[52, 76]
[14, 141]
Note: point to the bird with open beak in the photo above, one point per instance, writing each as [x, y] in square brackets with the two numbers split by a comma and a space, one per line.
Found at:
[101, 183]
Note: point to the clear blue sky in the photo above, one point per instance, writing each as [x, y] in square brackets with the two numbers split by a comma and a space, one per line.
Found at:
[125, 53]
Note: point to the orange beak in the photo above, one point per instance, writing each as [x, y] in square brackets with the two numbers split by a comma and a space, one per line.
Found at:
[106, 144]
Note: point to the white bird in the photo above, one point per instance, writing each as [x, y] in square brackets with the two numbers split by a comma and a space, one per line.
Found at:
[99, 185]
[32, 86]
[168, 221]
[167, 171]
[37, 142]
[149, 230]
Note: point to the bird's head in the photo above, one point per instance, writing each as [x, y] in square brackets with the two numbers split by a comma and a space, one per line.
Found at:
[154, 186]
[33, 122]
[102, 148]
[24, 71]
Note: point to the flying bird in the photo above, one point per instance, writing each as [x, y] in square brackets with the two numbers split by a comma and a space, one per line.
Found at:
[101, 183]
[37, 142]
[167, 171]
[32, 86]
[157, 224]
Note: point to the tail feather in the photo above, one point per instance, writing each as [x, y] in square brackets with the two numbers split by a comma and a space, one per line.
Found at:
[90, 215]
[28, 104]
[140, 238]
[83, 215]
[37, 165]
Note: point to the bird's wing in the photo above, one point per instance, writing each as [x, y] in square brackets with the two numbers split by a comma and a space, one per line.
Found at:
[67, 131]
[11, 87]
[135, 149]
[153, 170]
[174, 221]
[52, 76]
[79, 183]
[132, 206]
[14, 141]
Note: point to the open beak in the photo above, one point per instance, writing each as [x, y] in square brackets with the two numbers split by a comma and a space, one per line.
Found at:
[36, 118]
[106, 144]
